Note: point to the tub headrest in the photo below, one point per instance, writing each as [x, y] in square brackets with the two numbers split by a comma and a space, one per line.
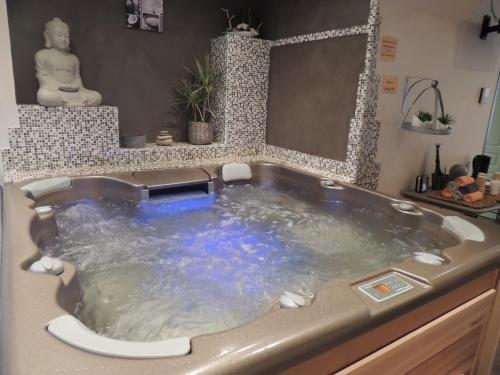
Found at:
[463, 229]
[41, 187]
[73, 332]
[236, 172]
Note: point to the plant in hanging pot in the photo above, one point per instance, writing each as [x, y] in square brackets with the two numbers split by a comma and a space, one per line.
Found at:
[421, 119]
[445, 121]
[194, 95]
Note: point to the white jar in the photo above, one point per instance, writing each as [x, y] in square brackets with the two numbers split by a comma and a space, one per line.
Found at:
[495, 187]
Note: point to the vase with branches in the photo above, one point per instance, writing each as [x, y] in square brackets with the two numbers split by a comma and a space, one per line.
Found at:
[194, 98]
[243, 25]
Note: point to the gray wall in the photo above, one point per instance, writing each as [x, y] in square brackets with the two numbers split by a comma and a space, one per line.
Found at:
[313, 86]
[313, 90]
[284, 18]
[137, 71]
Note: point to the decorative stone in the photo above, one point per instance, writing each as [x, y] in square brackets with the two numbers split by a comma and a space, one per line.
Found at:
[164, 138]
[58, 71]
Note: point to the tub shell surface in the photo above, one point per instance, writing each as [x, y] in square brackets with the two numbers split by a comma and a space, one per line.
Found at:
[277, 340]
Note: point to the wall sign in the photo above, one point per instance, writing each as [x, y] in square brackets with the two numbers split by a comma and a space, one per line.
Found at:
[388, 48]
[144, 15]
[390, 84]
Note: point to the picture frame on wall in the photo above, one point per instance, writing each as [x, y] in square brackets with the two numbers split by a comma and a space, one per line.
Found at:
[144, 15]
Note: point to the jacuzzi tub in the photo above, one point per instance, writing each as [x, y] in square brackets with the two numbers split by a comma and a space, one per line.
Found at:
[338, 309]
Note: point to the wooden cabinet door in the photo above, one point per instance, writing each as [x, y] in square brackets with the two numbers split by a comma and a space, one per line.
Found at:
[437, 345]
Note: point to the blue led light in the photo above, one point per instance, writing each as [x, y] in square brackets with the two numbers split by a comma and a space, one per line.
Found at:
[150, 211]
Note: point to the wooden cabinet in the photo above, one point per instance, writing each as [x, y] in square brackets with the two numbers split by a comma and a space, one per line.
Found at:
[446, 345]
[440, 336]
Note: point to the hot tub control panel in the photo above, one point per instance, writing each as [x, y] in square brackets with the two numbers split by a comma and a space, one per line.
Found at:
[385, 288]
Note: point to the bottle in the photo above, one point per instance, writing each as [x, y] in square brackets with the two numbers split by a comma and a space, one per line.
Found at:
[437, 176]
[481, 182]
[437, 170]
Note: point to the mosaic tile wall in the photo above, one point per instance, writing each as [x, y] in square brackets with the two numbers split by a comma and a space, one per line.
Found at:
[241, 99]
[79, 141]
[56, 138]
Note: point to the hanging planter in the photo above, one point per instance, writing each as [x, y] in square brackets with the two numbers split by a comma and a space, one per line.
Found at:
[425, 122]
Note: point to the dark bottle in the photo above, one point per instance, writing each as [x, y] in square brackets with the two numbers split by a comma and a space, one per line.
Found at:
[439, 180]
[437, 171]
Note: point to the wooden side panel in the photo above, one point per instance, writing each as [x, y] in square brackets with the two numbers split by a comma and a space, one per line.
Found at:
[457, 358]
[351, 351]
[489, 345]
[411, 351]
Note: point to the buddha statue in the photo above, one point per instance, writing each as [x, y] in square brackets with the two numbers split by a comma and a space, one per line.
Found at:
[58, 71]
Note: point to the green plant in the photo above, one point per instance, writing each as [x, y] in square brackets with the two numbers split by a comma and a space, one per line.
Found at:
[446, 119]
[195, 93]
[424, 116]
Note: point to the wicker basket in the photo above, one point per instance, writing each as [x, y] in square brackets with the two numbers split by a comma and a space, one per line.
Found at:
[200, 133]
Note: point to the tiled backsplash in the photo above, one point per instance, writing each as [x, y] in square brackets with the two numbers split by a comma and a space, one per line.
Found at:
[84, 140]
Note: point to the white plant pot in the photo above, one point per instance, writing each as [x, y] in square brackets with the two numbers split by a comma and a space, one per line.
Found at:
[415, 121]
[440, 126]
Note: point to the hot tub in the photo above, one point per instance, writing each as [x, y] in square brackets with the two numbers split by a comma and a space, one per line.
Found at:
[256, 270]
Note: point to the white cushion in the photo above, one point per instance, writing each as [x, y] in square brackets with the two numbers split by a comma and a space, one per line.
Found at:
[236, 172]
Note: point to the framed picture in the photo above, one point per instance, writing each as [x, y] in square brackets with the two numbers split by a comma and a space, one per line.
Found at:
[144, 15]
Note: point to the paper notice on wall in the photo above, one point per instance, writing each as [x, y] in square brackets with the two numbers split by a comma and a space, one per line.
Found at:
[388, 47]
[390, 84]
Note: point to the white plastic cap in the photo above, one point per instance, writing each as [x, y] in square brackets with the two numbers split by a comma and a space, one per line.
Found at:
[403, 206]
[292, 300]
[43, 210]
[287, 302]
[428, 258]
[299, 300]
[48, 265]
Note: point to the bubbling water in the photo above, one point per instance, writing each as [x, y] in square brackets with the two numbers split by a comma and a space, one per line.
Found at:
[156, 270]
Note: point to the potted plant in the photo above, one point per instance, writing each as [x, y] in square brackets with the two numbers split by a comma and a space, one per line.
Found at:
[422, 118]
[445, 121]
[244, 26]
[194, 96]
